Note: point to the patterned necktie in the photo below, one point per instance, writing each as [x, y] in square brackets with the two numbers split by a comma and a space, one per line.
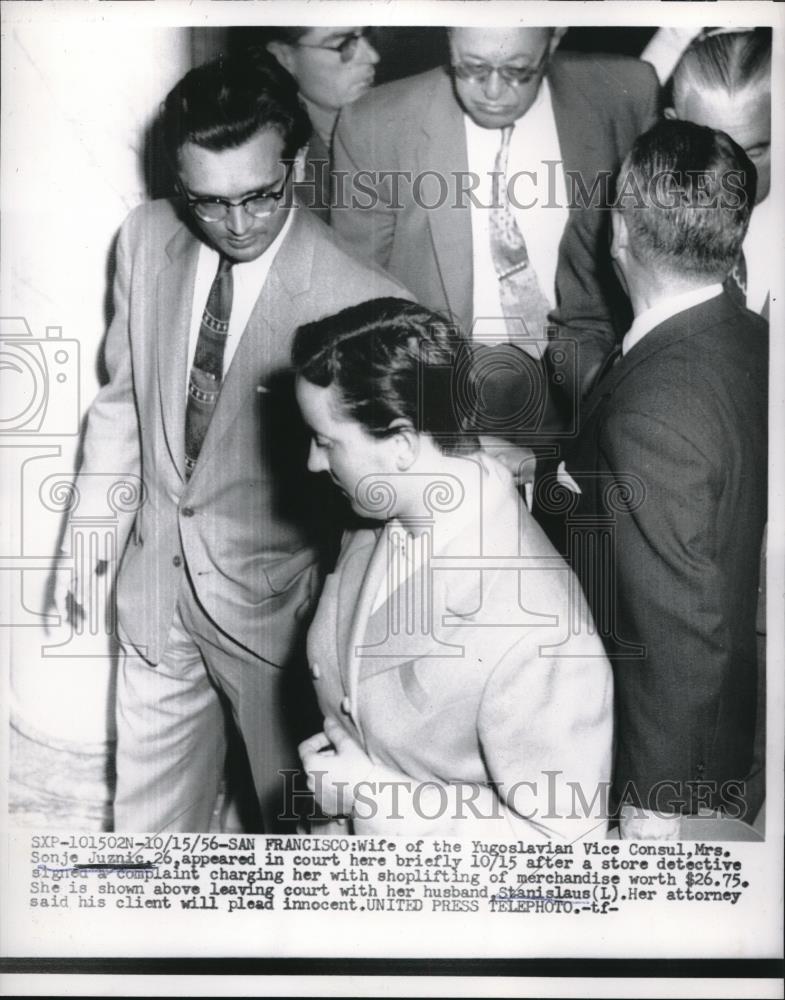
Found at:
[736, 282]
[519, 290]
[204, 383]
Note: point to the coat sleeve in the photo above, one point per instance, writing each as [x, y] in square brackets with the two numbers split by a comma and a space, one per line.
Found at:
[545, 727]
[363, 200]
[111, 447]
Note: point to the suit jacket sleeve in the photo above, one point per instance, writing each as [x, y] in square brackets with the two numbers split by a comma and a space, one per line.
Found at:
[111, 448]
[362, 202]
[669, 588]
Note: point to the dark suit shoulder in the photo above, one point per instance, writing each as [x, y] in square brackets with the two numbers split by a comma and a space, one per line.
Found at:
[607, 75]
[695, 370]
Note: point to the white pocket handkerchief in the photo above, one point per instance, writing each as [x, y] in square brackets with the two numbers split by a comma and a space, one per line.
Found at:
[565, 479]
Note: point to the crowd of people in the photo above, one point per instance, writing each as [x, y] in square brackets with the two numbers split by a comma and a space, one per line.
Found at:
[515, 308]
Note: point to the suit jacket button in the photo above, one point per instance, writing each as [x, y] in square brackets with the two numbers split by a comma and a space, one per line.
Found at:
[187, 512]
[316, 671]
[177, 561]
[346, 705]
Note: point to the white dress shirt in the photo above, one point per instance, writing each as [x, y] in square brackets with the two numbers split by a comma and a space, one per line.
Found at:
[646, 321]
[535, 176]
[248, 280]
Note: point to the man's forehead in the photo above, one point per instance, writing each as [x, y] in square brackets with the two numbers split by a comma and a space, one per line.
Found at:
[497, 44]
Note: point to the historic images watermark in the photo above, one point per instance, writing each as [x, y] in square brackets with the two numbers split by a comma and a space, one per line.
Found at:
[431, 190]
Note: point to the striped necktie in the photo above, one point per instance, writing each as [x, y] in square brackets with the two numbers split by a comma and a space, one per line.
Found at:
[204, 383]
[519, 289]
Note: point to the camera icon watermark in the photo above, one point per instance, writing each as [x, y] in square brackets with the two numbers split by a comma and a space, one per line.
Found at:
[40, 378]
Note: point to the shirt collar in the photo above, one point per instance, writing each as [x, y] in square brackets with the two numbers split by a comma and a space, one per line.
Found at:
[650, 318]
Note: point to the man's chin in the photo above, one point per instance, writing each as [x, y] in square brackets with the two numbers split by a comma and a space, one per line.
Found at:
[493, 119]
[242, 252]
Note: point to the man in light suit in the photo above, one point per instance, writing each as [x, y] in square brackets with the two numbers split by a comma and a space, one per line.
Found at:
[562, 122]
[219, 568]
[671, 463]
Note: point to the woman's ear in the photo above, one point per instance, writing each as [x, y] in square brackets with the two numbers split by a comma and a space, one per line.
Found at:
[406, 442]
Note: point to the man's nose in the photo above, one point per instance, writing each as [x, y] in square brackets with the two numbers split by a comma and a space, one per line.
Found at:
[238, 221]
[493, 85]
[365, 52]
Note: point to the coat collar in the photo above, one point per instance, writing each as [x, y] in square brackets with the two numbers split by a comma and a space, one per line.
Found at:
[407, 626]
[175, 305]
[442, 154]
[681, 326]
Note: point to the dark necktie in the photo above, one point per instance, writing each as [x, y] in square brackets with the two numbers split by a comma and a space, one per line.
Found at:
[607, 366]
[736, 282]
[519, 289]
[204, 383]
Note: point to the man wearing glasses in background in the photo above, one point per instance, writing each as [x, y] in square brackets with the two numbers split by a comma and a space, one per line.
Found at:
[218, 571]
[332, 67]
[494, 147]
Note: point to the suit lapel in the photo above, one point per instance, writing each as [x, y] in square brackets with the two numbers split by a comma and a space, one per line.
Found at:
[174, 309]
[441, 156]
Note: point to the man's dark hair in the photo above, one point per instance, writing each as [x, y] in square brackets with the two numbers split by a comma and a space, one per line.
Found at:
[686, 193]
[391, 360]
[281, 33]
[225, 102]
[729, 62]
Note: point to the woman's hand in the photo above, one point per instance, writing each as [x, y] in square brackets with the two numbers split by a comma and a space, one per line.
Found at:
[335, 764]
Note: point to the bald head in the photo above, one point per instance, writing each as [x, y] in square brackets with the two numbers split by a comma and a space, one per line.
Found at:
[498, 71]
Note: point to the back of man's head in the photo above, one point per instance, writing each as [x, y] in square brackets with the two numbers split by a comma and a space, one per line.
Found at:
[685, 193]
[222, 104]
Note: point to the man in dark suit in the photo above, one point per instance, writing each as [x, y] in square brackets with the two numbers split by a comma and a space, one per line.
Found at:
[422, 158]
[219, 568]
[671, 464]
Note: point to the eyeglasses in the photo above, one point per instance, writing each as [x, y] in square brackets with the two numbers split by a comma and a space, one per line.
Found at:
[513, 76]
[346, 49]
[259, 204]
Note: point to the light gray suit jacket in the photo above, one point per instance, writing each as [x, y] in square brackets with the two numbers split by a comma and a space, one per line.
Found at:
[239, 526]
